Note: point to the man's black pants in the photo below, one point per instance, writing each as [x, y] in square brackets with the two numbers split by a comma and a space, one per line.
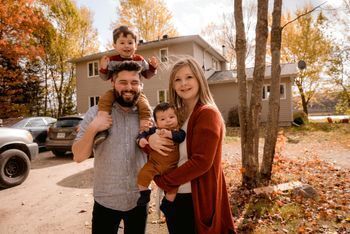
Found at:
[105, 220]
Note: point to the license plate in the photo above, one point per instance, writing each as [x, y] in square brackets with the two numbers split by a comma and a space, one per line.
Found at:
[61, 135]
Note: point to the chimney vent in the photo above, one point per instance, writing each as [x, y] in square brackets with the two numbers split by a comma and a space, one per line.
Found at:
[223, 50]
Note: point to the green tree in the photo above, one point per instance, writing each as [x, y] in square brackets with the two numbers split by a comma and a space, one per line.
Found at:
[305, 40]
[72, 36]
[150, 18]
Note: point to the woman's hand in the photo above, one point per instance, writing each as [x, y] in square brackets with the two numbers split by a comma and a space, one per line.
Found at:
[159, 144]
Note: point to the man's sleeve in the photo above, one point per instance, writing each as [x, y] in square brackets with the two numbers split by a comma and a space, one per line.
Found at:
[88, 117]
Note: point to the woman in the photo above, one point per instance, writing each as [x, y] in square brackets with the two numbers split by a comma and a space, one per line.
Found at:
[201, 205]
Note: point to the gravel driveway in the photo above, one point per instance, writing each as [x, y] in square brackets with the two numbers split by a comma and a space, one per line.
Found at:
[57, 196]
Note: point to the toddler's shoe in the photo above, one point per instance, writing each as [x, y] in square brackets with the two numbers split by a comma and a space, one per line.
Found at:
[145, 197]
[100, 137]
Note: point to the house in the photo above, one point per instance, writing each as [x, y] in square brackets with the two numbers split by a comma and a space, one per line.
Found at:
[224, 87]
[222, 83]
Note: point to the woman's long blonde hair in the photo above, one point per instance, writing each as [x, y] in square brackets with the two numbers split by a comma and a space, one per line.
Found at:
[205, 96]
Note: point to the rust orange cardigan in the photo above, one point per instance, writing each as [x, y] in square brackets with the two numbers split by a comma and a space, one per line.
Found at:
[204, 170]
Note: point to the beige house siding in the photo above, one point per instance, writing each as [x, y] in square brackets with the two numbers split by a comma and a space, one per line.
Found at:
[285, 114]
[87, 87]
[225, 91]
[226, 96]
[161, 80]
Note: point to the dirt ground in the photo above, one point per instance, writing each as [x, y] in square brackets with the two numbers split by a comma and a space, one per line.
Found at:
[57, 195]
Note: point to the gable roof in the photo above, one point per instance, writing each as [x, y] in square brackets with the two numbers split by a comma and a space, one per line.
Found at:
[165, 41]
[287, 70]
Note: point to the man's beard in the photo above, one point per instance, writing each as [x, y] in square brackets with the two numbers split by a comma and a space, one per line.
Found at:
[126, 103]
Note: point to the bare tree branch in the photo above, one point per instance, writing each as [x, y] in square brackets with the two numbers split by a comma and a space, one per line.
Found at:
[306, 13]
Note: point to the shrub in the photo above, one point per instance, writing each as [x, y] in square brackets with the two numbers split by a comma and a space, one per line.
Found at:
[329, 120]
[344, 121]
[300, 117]
[233, 117]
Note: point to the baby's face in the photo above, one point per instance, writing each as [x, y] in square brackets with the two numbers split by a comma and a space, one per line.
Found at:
[167, 119]
[125, 46]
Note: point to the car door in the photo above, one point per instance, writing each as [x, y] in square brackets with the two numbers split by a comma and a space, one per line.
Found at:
[38, 128]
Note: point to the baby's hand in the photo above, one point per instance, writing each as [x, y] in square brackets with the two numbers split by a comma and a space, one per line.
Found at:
[165, 133]
[104, 62]
[158, 131]
[145, 125]
[143, 142]
[153, 61]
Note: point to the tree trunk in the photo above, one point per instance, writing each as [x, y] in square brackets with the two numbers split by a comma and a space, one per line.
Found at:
[303, 99]
[45, 89]
[241, 50]
[251, 176]
[274, 98]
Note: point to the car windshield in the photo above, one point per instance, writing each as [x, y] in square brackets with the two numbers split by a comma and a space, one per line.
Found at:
[20, 124]
[66, 123]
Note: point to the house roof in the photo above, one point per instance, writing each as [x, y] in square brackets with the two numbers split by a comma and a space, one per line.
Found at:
[287, 70]
[158, 43]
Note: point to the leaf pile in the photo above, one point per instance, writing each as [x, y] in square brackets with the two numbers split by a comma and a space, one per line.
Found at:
[286, 212]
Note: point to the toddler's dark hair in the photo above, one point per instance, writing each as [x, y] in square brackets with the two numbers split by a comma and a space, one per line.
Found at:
[124, 31]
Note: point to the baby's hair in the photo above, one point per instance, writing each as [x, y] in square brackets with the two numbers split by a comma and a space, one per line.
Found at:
[161, 107]
[124, 31]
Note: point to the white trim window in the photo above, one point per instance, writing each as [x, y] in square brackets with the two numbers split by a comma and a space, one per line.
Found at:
[93, 100]
[162, 95]
[163, 54]
[267, 88]
[92, 69]
[214, 64]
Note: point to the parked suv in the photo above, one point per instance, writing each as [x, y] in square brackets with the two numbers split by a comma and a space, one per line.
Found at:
[17, 149]
[37, 126]
[62, 134]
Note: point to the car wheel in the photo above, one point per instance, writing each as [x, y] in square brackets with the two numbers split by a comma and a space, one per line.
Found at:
[14, 167]
[58, 153]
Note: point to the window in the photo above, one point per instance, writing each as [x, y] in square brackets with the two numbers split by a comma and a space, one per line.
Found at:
[67, 122]
[215, 64]
[162, 96]
[163, 55]
[93, 100]
[93, 69]
[267, 88]
[35, 123]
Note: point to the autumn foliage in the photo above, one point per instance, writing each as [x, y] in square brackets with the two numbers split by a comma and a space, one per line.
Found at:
[21, 24]
[37, 41]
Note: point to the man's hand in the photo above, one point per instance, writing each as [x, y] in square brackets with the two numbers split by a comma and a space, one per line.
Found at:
[102, 121]
[145, 124]
[159, 144]
[153, 61]
[104, 62]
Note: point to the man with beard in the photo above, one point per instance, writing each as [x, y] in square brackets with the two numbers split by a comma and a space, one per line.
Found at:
[117, 159]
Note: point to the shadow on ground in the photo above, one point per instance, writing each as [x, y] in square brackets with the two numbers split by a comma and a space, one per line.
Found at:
[81, 180]
[47, 159]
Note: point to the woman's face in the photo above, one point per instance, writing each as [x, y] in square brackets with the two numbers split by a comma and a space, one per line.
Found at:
[185, 84]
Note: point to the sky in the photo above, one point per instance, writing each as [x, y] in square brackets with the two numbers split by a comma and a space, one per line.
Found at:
[189, 16]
